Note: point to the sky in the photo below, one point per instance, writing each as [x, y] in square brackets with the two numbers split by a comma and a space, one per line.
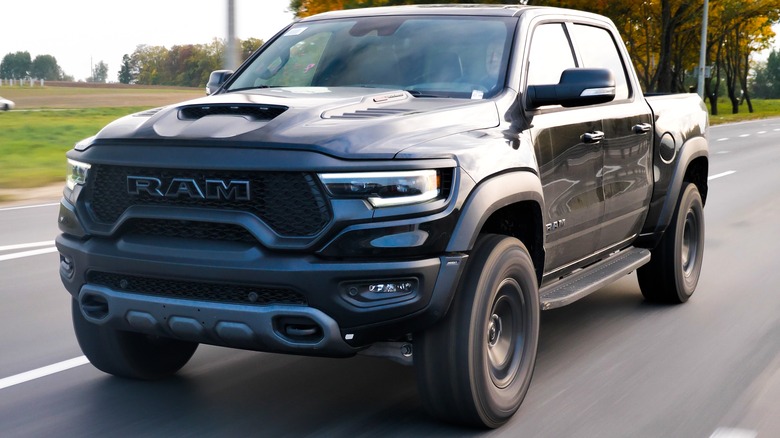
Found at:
[80, 33]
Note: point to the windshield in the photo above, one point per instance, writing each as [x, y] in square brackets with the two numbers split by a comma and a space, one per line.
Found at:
[448, 56]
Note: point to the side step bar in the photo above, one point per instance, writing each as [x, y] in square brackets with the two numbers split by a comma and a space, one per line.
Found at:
[588, 280]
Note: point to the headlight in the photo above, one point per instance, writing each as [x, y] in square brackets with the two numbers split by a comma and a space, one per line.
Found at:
[77, 173]
[385, 189]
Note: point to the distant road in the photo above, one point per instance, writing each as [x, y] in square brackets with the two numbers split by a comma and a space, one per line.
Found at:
[609, 365]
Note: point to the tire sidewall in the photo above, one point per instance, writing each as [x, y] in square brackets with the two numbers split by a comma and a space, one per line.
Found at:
[690, 204]
[508, 260]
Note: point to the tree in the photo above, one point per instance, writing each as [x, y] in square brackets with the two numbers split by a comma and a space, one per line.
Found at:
[737, 29]
[125, 75]
[99, 73]
[46, 67]
[186, 65]
[766, 83]
[249, 46]
[16, 65]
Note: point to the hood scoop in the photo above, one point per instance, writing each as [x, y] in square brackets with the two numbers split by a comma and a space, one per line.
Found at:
[252, 112]
[215, 121]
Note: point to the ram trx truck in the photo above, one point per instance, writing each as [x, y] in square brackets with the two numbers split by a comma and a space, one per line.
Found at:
[416, 183]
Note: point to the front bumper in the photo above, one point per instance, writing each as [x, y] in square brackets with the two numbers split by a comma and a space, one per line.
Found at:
[330, 320]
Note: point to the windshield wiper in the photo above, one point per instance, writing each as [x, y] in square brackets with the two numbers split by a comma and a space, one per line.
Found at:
[418, 93]
[253, 88]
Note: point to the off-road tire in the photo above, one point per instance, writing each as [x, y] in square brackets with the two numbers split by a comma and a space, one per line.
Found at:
[675, 265]
[474, 367]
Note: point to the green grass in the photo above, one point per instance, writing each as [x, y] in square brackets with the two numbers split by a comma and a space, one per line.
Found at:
[762, 109]
[49, 120]
[34, 142]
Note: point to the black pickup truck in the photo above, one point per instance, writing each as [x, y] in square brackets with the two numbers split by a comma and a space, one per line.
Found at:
[415, 183]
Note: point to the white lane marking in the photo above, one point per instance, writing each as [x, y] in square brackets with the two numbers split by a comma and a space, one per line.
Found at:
[721, 152]
[29, 206]
[43, 372]
[776, 129]
[26, 245]
[725, 432]
[744, 135]
[721, 175]
[723, 139]
[761, 132]
[22, 254]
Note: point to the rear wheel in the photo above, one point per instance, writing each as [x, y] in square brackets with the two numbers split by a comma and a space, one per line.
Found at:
[673, 271]
[475, 366]
[127, 354]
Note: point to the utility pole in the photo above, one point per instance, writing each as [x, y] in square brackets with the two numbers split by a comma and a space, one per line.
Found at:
[703, 52]
[231, 48]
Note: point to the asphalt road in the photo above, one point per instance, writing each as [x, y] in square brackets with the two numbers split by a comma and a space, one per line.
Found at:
[609, 365]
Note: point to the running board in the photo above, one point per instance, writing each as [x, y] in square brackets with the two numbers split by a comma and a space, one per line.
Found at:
[594, 277]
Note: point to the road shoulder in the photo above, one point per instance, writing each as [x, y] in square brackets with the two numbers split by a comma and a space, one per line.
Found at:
[30, 196]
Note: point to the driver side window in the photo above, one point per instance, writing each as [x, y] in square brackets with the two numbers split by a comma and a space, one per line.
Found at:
[550, 54]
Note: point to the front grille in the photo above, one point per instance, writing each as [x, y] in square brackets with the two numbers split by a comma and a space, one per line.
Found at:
[189, 229]
[291, 203]
[191, 290]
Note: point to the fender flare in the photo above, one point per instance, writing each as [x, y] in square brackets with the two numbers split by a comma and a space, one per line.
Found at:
[490, 196]
[692, 149]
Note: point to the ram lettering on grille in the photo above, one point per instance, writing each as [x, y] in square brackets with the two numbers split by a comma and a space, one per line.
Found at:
[233, 190]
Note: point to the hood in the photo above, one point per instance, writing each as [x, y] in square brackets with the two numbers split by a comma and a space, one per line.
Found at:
[342, 122]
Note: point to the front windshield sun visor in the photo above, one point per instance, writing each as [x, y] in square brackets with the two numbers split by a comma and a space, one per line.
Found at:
[429, 56]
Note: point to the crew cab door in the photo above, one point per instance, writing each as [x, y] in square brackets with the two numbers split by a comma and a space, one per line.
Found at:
[569, 154]
[626, 175]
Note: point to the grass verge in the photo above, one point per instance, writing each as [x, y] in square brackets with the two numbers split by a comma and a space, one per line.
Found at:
[34, 142]
[49, 120]
[762, 109]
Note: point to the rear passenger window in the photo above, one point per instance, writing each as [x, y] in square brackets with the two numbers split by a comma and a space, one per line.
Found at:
[598, 50]
[550, 55]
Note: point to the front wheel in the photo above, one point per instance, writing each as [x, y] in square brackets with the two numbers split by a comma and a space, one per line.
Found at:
[675, 265]
[474, 367]
[127, 354]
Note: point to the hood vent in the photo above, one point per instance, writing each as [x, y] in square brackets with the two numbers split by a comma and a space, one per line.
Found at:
[256, 112]
[370, 113]
[148, 113]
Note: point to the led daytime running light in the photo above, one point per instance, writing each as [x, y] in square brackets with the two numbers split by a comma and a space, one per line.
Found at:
[77, 173]
[385, 189]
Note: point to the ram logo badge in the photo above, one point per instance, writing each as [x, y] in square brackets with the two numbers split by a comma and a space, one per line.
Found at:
[216, 189]
[552, 226]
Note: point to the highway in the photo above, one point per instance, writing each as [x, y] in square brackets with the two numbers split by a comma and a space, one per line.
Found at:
[609, 365]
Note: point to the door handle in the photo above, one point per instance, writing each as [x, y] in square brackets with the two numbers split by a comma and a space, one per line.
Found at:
[642, 128]
[592, 137]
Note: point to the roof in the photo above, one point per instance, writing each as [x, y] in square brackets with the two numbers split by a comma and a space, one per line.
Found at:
[448, 9]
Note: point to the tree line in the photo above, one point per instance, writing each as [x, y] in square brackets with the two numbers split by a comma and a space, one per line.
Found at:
[20, 65]
[186, 65]
[182, 65]
[662, 36]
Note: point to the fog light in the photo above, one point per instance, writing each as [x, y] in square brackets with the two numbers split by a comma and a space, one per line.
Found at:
[380, 290]
[402, 287]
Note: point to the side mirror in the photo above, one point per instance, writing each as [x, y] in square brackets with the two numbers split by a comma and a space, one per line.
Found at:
[216, 79]
[577, 87]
